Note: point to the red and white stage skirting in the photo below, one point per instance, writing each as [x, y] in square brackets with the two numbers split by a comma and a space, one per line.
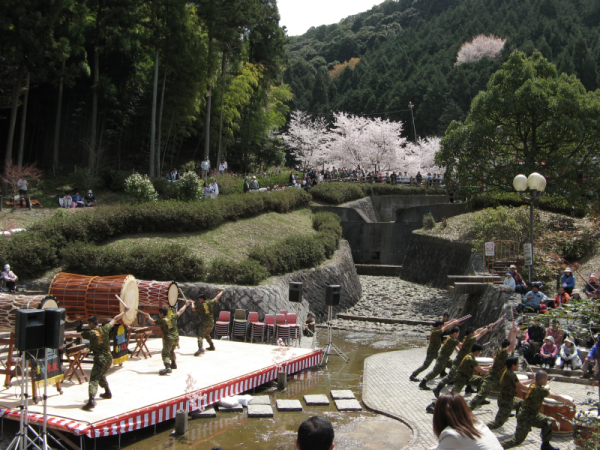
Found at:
[133, 407]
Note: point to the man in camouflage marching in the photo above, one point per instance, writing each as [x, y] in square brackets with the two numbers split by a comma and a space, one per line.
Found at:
[170, 331]
[507, 393]
[206, 311]
[492, 379]
[443, 357]
[529, 415]
[99, 337]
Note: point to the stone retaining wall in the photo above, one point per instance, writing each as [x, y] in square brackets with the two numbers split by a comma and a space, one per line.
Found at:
[273, 296]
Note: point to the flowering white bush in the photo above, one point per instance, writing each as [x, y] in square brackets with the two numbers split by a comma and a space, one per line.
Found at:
[480, 46]
[190, 187]
[140, 188]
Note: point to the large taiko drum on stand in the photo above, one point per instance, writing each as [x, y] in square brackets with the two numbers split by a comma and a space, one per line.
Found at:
[70, 290]
[561, 413]
[101, 300]
[156, 294]
[10, 303]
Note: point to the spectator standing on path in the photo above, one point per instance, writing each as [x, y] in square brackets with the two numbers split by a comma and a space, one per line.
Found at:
[22, 185]
[435, 342]
[205, 166]
[254, 184]
[419, 178]
[315, 433]
[567, 281]
[529, 415]
[246, 185]
[443, 357]
[223, 166]
[10, 279]
[215, 187]
[456, 427]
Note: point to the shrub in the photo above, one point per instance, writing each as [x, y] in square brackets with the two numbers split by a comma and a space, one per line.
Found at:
[189, 187]
[428, 221]
[230, 184]
[504, 223]
[114, 179]
[145, 261]
[29, 253]
[341, 192]
[291, 254]
[328, 223]
[164, 188]
[140, 188]
[247, 272]
[82, 180]
[550, 203]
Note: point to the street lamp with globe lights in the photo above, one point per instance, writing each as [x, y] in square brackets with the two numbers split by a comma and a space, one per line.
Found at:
[536, 184]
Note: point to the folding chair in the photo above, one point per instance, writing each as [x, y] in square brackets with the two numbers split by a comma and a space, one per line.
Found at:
[256, 328]
[222, 325]
[240, 324]
[269, 326]
[284, 312]
[282, 330]
[295, 331]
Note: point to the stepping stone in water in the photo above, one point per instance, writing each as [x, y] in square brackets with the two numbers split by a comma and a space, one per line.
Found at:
[342, 395]
[260, 411]
[316, 400]
[289, 405]
[348, 405]
[260, 400]
[235, 409]
[208, 413]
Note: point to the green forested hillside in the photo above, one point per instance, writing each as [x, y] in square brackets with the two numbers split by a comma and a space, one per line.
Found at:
[408, 48]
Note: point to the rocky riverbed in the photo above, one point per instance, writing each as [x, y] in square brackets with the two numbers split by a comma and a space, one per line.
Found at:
[393, 298]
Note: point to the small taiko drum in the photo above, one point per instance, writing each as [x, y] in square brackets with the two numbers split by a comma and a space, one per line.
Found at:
[483, 361]
[101, 297]
[521, 377]
[70, 290]
[10, 303]
[156, 294]
[561, 414]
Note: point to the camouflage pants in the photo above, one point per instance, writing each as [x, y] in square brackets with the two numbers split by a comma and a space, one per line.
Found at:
[453, 365]
[168, 351]
[440, 364]
[504, 410]
[489, 383]
[428, 360]
[460, 381]
[524, 424]
[204, 333]
[98, 376]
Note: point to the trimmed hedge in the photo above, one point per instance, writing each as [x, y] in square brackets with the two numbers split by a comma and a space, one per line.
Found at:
[247, 272]
[549, 203]
[162, 261]
[337, 193]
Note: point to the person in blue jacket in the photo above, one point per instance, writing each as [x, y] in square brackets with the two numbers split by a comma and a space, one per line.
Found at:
[568, 281]
[533, 298]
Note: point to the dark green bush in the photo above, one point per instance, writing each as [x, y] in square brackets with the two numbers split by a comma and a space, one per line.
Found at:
[29, 253]
[164, 188]
[146, 261]
[326, 222]
[247, 272]
[114, 179]
[339, 192]
[291, 254]
[550, 203]
[82, 179]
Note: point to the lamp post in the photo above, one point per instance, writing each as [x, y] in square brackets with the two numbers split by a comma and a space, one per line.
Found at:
[536, 184]
[411, 106]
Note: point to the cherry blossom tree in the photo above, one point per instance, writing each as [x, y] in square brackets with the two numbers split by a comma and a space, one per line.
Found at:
[480, 46]
[307, 139]
[420, 156]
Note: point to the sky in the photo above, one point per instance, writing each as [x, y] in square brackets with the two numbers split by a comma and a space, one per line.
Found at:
[299, 15]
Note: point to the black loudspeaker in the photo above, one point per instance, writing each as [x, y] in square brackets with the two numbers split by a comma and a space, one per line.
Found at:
[295, 292]
[332, 295]
[29, 329]
[54, 333]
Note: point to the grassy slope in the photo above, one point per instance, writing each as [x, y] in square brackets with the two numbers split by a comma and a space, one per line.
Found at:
[232, 240]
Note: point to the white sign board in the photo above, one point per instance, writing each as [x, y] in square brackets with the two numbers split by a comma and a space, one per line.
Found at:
[490, 249]
[528, 254]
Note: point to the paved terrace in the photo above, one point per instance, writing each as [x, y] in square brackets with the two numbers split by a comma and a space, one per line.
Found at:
[387, 390]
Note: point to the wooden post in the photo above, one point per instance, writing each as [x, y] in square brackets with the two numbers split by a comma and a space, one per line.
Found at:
[181, 422]
[281, 380]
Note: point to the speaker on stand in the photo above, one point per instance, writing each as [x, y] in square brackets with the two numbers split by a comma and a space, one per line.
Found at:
[295, 296]
[332, 298]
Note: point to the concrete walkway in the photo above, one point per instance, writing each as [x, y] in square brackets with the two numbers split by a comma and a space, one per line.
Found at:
[387, 390]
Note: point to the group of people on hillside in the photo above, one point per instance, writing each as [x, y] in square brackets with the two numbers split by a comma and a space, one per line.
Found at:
[361, 175]
[77, 201]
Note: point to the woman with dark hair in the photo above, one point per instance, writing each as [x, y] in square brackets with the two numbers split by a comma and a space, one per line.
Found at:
[458, 429]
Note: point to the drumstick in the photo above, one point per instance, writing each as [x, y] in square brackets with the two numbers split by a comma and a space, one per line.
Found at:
[181, 292]
[119, 298]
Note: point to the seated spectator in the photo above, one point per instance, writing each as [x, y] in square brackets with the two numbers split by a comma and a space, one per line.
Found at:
[309, 325]
[533, 341]
[66, 201]
[77, 201]
[590, 363]
[456, 427]
[592, 288]
[9, 278]
[509, 283]
[568, 356]
[567, 281]
[208, 191]
[533, 298]
[555, 331]
[254, 184]
[561, 298]
[315, 433]
[520, 285]
[576, 295]
[90, 199]
[548, 352]
[215, 187]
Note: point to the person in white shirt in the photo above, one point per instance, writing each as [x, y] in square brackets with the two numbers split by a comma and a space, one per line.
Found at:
[458, 429]
[568, 356]
[22, 185]
[9, 278]
[205, 166]
[215, 187]
[223, 166]
[509, 283]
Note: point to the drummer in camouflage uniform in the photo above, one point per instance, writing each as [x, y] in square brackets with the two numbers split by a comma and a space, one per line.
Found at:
[507, 393]
[529, 415]
[170, 331]
[206, 311]
[99, 337]
[443, 357]
[467, 370]
[492, 379]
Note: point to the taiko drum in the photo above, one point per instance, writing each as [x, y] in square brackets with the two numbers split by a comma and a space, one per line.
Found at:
[70, 290]
[561, 413]
[10, 303]
[156, 294]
